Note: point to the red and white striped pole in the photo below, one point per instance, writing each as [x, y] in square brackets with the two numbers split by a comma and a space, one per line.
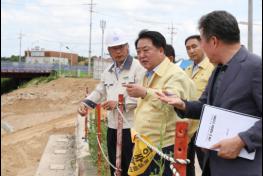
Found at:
[119, 136]
[180, 147]
[98, 109]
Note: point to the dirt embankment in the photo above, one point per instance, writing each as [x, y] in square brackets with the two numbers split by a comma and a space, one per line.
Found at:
[36, 112]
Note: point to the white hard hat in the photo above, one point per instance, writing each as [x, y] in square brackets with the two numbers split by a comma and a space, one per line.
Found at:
[115, 37]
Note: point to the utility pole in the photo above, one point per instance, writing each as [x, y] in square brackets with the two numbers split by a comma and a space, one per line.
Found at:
[60, 54]
[67, 47]
[250, 26]
[172, 33]
[90, 31]
[20, 45]
[102, 26]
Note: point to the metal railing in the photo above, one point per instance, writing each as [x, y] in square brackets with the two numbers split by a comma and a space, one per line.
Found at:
[22, 67]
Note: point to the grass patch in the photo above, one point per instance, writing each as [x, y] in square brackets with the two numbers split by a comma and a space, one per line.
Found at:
[39, 80]
[8, 84]
[93, 144]
[74, 73]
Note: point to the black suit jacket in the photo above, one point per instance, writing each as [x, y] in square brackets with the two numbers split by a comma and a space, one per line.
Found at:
[240, 90]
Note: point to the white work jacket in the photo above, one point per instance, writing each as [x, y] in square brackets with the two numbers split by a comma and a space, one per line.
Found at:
[111, 85]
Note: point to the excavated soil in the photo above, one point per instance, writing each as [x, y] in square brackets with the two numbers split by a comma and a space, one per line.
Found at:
[36, 112]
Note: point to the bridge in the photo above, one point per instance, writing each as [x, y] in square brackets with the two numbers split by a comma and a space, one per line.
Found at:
[26, 70]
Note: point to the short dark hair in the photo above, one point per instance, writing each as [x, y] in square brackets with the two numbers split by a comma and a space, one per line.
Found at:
[197, 37]
[221, 24]
[169, 51]
[157, 38]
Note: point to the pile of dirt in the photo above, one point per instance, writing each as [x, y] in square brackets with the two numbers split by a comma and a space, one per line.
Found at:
[36, 112]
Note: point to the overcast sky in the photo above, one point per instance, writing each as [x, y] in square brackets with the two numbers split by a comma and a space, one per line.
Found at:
[55, 24]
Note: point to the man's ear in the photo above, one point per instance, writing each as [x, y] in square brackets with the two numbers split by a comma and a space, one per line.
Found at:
[215, 41]
[161, 50]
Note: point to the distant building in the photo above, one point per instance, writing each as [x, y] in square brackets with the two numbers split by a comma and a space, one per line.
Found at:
[100, 65]
[40, 56]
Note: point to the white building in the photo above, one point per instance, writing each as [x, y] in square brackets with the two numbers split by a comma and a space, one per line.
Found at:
[40, 56]
[100, 65]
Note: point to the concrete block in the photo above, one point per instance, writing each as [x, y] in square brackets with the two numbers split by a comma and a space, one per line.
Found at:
[57, 166]
[62, 140]
[60, 151]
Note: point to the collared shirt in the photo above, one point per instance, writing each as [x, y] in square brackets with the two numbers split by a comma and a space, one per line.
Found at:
[149, 74]
[111, 86]
[117, 70]
[195, 69]
[156, 119]
[201, 75]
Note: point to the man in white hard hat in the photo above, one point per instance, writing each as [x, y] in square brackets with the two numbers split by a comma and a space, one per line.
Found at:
[124, 70]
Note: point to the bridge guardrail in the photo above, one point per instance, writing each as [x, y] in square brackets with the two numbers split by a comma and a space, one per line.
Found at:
[23, 67]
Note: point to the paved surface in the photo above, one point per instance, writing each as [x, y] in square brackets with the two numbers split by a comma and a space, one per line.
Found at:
[66, 155]
[58, 158]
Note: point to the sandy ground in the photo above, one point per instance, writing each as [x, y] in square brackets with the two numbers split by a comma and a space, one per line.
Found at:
[35, 113]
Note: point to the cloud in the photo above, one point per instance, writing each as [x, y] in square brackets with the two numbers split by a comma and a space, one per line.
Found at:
[51, 22]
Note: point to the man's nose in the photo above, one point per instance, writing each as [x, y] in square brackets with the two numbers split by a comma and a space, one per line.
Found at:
[118, 50]
[140, 55]
[191, 50]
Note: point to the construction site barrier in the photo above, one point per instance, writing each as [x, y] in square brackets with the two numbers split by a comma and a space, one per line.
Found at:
[98, 111]
[178, 163]
[119, 136]
[180, 147]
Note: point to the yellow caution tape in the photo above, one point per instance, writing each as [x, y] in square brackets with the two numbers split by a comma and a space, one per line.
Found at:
[142, 157]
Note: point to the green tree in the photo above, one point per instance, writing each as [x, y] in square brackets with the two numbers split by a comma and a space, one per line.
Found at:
[13, 58]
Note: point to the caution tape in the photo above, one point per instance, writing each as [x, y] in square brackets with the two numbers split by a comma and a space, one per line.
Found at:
[105, 157]
[160, 153]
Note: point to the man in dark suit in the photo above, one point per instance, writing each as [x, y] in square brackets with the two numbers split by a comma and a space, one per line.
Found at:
[235, 84]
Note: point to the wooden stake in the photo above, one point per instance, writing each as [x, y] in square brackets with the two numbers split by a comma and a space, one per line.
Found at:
[98, 109]
[119, 136]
